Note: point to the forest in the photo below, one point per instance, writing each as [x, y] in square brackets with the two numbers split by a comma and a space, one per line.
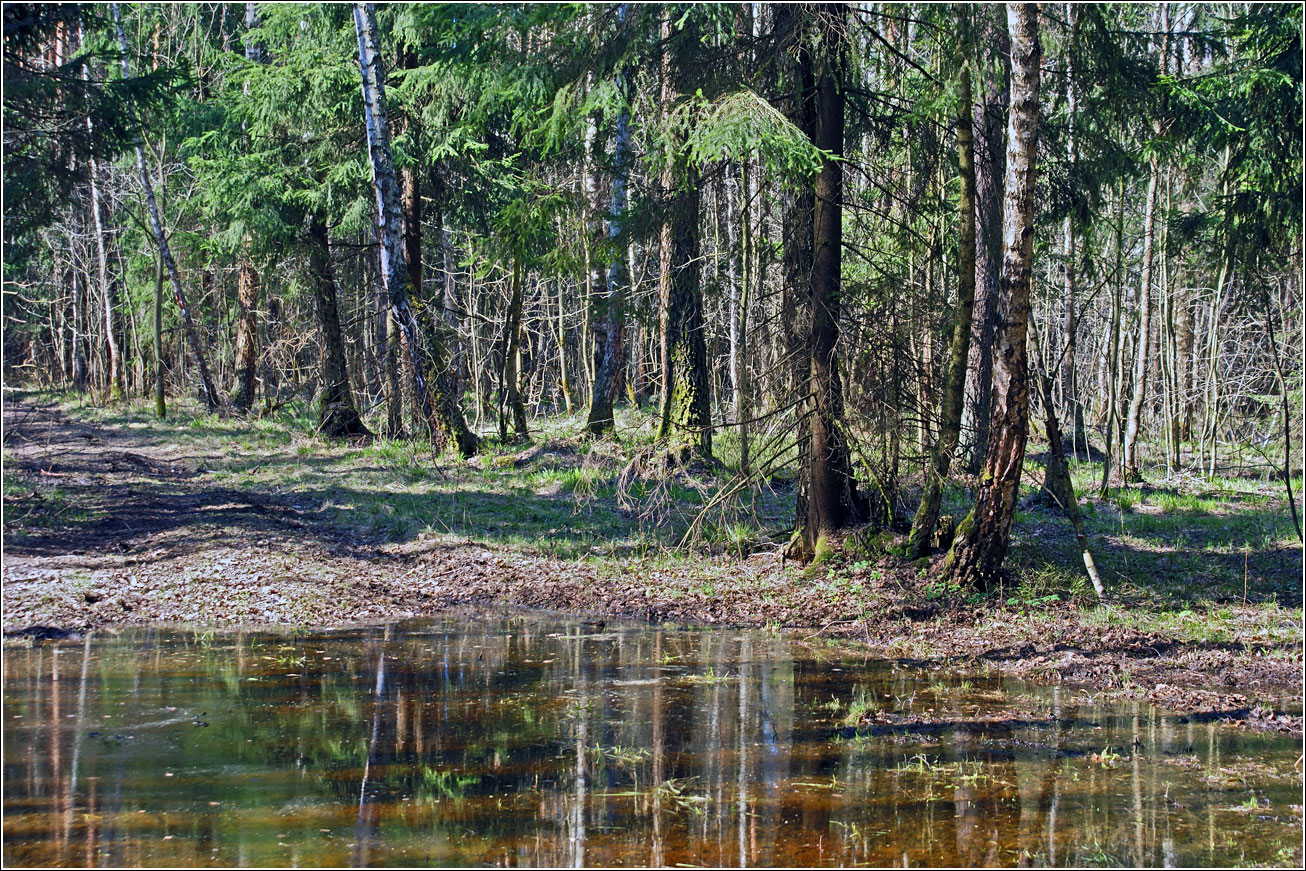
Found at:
[652, 434]
[994, 306]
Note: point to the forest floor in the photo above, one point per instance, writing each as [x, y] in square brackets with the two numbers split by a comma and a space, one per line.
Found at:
[111, 517]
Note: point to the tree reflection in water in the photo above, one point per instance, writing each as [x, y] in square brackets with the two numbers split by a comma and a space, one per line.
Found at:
[492, 738]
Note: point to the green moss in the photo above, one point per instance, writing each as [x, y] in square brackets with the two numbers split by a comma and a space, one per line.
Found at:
[966, 527]
[824, 550]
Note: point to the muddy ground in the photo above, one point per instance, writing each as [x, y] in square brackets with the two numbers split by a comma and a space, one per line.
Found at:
[105, 526]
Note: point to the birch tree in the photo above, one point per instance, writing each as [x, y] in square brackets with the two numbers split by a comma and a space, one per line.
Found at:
[439, 407]
[982, 538]
[208, 393]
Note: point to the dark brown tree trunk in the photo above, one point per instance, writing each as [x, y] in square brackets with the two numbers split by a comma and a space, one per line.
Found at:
[982, 538]
[990, 169]
[796, 258]
[510, 397]
[247, 293]
[687, 401]
[337, 414]
[927, 515]
[832, 498]
[412, 205]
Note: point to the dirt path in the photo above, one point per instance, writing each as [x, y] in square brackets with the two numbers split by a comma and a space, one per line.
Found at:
[111, 524]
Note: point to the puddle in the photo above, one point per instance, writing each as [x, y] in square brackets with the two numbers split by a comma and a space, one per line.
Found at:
[485, 738]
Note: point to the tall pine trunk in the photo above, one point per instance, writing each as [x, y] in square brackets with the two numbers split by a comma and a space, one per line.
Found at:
[983, 537]
[832, 498]
[686, 417]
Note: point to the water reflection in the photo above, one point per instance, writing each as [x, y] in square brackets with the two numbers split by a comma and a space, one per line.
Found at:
[494, 739]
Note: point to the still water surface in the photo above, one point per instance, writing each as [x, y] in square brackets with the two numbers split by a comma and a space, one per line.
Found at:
[486, 738]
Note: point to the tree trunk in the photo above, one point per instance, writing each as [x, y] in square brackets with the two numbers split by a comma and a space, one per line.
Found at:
[108, 291]
[208, 393]
[394, 397]
[1114, 337]
[76, 323]
[1143, 358]
[927, 514]
[982, 538]
[1143, 348]
[686, 409]
[1069, 320]
[564, 380]
[739, 322]
[337, 414]
[610, 314]
[791, 25]
[990, 169]
[832, 498]
[1056, 481]
[247, 284]
[1184, 341]
[510, 398]
[160, 402]
[247, 293]
[439, 405]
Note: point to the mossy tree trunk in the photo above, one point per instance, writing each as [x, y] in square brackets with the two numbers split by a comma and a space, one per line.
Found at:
[982, 538]
[927, 515]
[686, 414]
